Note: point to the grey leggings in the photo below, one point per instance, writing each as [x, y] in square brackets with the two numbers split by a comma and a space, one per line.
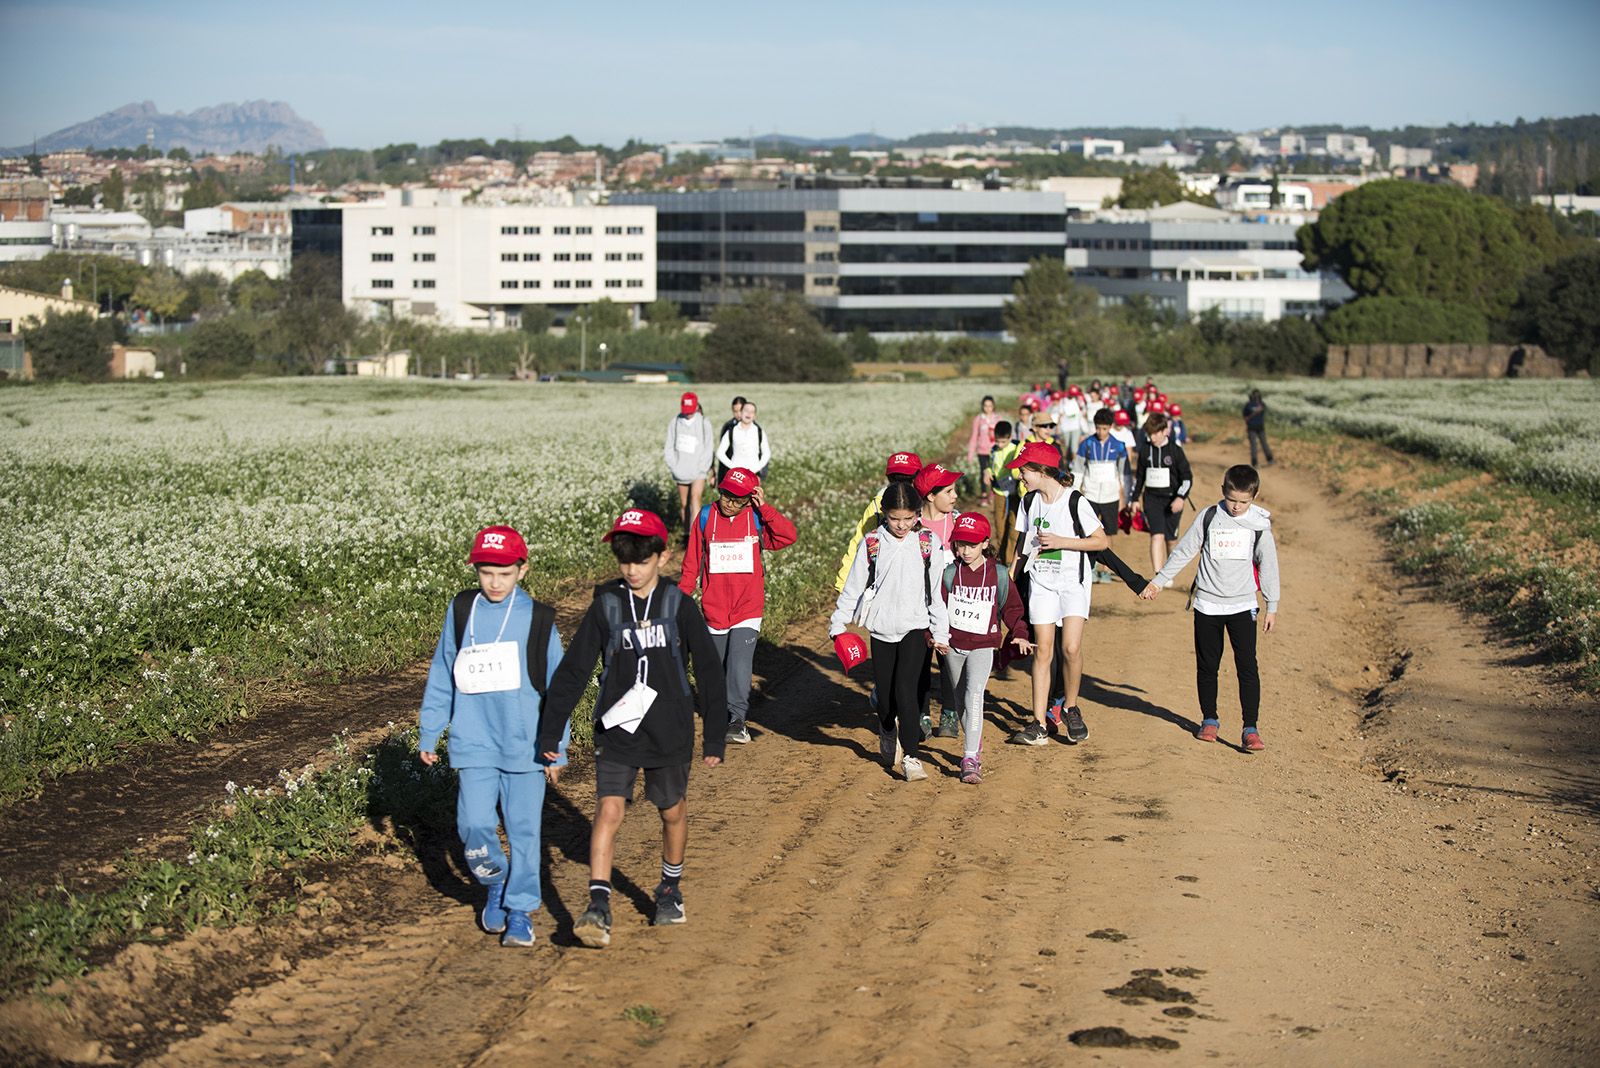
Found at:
[968, 672]
[737, 648]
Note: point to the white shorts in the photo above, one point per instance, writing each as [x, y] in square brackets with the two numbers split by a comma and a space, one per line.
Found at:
[1052, 606]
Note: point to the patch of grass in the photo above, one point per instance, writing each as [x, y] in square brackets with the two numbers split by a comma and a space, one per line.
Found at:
[643, 1014]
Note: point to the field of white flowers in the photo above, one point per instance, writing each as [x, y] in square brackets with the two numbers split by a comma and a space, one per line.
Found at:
[164, 544]
[1539, 432]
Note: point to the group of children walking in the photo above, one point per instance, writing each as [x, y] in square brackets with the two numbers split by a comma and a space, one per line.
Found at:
[929, 584]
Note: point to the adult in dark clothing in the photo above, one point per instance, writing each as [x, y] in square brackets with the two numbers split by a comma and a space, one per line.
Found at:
[1255, 427]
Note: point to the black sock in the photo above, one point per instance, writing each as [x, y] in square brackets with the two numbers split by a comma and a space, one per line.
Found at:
[599, 893]
[670, 874]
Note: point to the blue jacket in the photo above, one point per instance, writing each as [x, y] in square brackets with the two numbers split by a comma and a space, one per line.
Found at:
[488, 730]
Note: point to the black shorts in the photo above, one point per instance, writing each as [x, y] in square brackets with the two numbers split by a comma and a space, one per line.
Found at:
[1159, 518]
[1108, 516]
[664, 787]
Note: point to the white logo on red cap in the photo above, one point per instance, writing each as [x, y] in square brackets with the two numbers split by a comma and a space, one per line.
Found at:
[900, 458]
[631, 518]
[493, 539]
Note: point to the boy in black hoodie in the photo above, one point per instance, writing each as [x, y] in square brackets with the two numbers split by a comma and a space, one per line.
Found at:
[648, 633]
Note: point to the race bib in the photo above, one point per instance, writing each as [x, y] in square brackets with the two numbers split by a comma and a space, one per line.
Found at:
[489, 668]
[732, 557]
[1046, 564]
[629, 710]
[968, 614]
[1231, 544]
[1102, 480]
[688, 441]
[1158, 478]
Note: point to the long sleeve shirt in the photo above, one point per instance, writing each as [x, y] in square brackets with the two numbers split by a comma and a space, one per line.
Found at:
[982, 586]
[665, 737]
[689, 447]
[1170, 458]
[733, 598]
[1100, 466]
[982, 438]
[488, 730]
[1230, 555]
[745, 445]
[901, 590]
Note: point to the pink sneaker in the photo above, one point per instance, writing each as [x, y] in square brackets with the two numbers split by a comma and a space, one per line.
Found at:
[971, 771]
[1252, 741]
[1207, 732]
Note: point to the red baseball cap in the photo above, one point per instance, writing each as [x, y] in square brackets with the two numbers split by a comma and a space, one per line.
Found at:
[1138, 394]
[1074, 391]
[638, 521]
[934, 476]
[903, 463]
[739, 482]
[1122, 417]
[688, 404]
[971, 527]
[1157, 406]
[1037, 452]
[1028, 400]
[851, 650]
[1176, 409]
[498, 545]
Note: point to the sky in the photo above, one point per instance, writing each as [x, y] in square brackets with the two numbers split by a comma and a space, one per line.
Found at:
[371, 74]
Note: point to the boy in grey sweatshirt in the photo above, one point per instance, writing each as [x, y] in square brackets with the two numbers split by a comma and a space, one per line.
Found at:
[1238, 558]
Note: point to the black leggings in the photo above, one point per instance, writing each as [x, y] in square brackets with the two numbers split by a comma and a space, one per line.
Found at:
[1241, 630]
[897, 670]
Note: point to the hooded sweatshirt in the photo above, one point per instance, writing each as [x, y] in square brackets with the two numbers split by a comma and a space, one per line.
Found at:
[733, 599]
[900, 598]
[689, 447]
[488, 730]
[1226, 582]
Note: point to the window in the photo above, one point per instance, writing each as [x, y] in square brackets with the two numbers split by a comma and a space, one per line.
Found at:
[585, 229]
[422, 231]
[562, 257]
[383, 283]
[508, 230]
[825, 281]
[422, 257]
[562, 283]
[562, 230]
[526, 229]
[530, 257]
[613, 257]
[613, 229]
[5, 326]
[636, 230]
[636, 283]
[509, 283]
[508, 257]
[824, 257]
[530, 283]
[383, 231]
[584, 257]
[383, 257]
[634, 256]
[613, 283]
[422, 283]
[583, 283]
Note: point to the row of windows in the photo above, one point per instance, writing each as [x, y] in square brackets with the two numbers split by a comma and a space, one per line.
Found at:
[1136, 244]
[794, 222]
[573, 283]
[416, 283]
[416, 257]
[615, 231]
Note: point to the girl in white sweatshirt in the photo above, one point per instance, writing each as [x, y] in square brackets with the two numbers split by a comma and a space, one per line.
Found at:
[890, 591]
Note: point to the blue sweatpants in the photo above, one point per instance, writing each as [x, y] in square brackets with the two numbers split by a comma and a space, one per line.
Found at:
[519, 798]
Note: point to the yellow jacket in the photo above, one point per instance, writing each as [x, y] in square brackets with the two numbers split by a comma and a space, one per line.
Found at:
[865, 524]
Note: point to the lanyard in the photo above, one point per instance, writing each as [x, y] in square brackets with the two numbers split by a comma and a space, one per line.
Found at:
[641, 673]
[472, 636]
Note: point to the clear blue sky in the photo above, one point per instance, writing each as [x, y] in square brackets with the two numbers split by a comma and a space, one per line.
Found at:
[372, 74]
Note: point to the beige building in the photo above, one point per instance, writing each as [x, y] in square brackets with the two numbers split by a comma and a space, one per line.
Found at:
[17, 306]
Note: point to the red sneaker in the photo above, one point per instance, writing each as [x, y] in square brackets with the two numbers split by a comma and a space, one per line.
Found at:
[1207, 732]
[1252, 742]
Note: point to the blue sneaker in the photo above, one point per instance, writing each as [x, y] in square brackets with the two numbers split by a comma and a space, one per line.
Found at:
[493, 916]
[519, 930]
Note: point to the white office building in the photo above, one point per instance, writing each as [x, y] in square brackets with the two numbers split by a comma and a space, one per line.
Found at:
[1191, 259]
[427, 254]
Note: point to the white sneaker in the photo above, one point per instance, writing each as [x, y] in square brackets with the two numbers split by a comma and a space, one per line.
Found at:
[912, 767]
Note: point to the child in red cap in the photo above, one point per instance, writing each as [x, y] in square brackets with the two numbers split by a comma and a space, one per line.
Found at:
[724, 559]
[496, 655]
[647, 635]
[688, 453]
[985, 613]
[937, 484]
[900, 467]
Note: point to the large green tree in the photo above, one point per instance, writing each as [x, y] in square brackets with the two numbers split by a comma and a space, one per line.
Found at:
[603, 316]
[665, 316]
[113, 191]
[770, 337]
[1435, 242]
[69, 346]
[219, 348]
[1404, 321]
[161, 292]
[1153, 188]
[1051, 317]
[1560, 310]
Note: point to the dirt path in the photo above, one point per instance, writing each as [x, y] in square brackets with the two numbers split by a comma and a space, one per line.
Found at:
[1404, 876]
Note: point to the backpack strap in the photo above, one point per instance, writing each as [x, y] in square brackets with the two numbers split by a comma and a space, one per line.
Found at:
[537, 648]
[949, 578]
[460, 609]
[925, 542]
[871, 541]
[1002, 587]
[1073, 497]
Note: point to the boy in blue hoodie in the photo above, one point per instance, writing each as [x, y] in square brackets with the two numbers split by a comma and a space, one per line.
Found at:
[494, 661]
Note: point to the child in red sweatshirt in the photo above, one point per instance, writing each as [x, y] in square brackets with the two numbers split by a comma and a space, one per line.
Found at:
[724, 560]
[985, 615]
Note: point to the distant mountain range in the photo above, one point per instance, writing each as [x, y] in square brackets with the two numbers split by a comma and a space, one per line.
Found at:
[247, 127]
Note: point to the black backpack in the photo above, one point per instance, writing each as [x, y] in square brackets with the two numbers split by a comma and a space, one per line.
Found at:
[538, 644]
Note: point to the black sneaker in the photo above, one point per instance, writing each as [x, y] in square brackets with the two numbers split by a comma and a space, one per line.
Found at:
[593, 928]
[1033, 734]
[949, 725]
[669, 905]
[1077, 729]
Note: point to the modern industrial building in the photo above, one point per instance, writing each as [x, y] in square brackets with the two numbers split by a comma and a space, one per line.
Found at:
[1191, 259]
[884, 260]
[429, 254]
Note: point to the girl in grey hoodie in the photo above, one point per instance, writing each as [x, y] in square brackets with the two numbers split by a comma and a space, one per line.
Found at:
[688, 454]
[890, 591]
